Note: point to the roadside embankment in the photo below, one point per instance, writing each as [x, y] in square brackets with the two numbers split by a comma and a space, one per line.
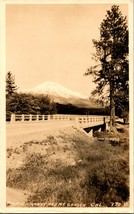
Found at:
[66, 167]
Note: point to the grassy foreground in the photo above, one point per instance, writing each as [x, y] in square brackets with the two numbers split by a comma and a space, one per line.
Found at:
[71, 169]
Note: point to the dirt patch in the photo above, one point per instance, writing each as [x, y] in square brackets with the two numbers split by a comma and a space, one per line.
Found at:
[16, 197]
[52, 144]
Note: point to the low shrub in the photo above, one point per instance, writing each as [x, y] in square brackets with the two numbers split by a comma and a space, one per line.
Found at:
[107, 172]
[107, 182]
[28, 174]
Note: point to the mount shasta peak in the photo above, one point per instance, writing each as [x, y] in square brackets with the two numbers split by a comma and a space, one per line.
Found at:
[63, 95]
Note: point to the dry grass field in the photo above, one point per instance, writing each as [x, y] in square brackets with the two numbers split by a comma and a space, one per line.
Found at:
[65, 167]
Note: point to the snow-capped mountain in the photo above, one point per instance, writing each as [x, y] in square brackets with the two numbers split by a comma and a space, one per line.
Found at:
[56, 90]
[62, 95]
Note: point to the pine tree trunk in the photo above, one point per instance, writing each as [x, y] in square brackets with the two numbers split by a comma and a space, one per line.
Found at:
[126, 118]
[112, 105]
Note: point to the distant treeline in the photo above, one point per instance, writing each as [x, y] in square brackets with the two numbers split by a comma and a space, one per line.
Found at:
[22, 103]
[71, 109]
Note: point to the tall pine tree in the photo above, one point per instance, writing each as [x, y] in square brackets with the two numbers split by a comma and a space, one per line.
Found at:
[11, 87]
[112, 55]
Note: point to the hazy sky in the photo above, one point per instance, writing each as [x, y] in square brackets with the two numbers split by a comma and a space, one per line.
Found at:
[53, 43]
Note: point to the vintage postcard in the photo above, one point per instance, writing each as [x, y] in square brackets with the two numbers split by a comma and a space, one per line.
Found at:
[66, 115]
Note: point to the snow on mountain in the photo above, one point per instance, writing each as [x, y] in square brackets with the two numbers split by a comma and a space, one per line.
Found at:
[55, 89]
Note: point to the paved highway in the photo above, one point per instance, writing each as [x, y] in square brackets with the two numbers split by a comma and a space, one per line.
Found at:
[32, 127]
[21, 132]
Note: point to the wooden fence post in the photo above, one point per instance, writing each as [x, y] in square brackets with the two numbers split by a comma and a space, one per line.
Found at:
[12, 118]
[48, 117]
[77, 122]
[22, 118]
[30, 117]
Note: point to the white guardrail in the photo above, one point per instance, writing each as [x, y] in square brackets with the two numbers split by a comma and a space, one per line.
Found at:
[83, 122]
[30, 117]
[80, 120]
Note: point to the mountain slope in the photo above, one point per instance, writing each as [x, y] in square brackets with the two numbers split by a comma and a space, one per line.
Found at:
[55, 89]
[63, 95]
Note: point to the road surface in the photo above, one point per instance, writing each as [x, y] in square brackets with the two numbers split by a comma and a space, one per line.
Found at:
[21, 132]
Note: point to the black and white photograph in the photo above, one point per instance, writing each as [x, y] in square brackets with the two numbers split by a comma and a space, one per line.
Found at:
[68, 90]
